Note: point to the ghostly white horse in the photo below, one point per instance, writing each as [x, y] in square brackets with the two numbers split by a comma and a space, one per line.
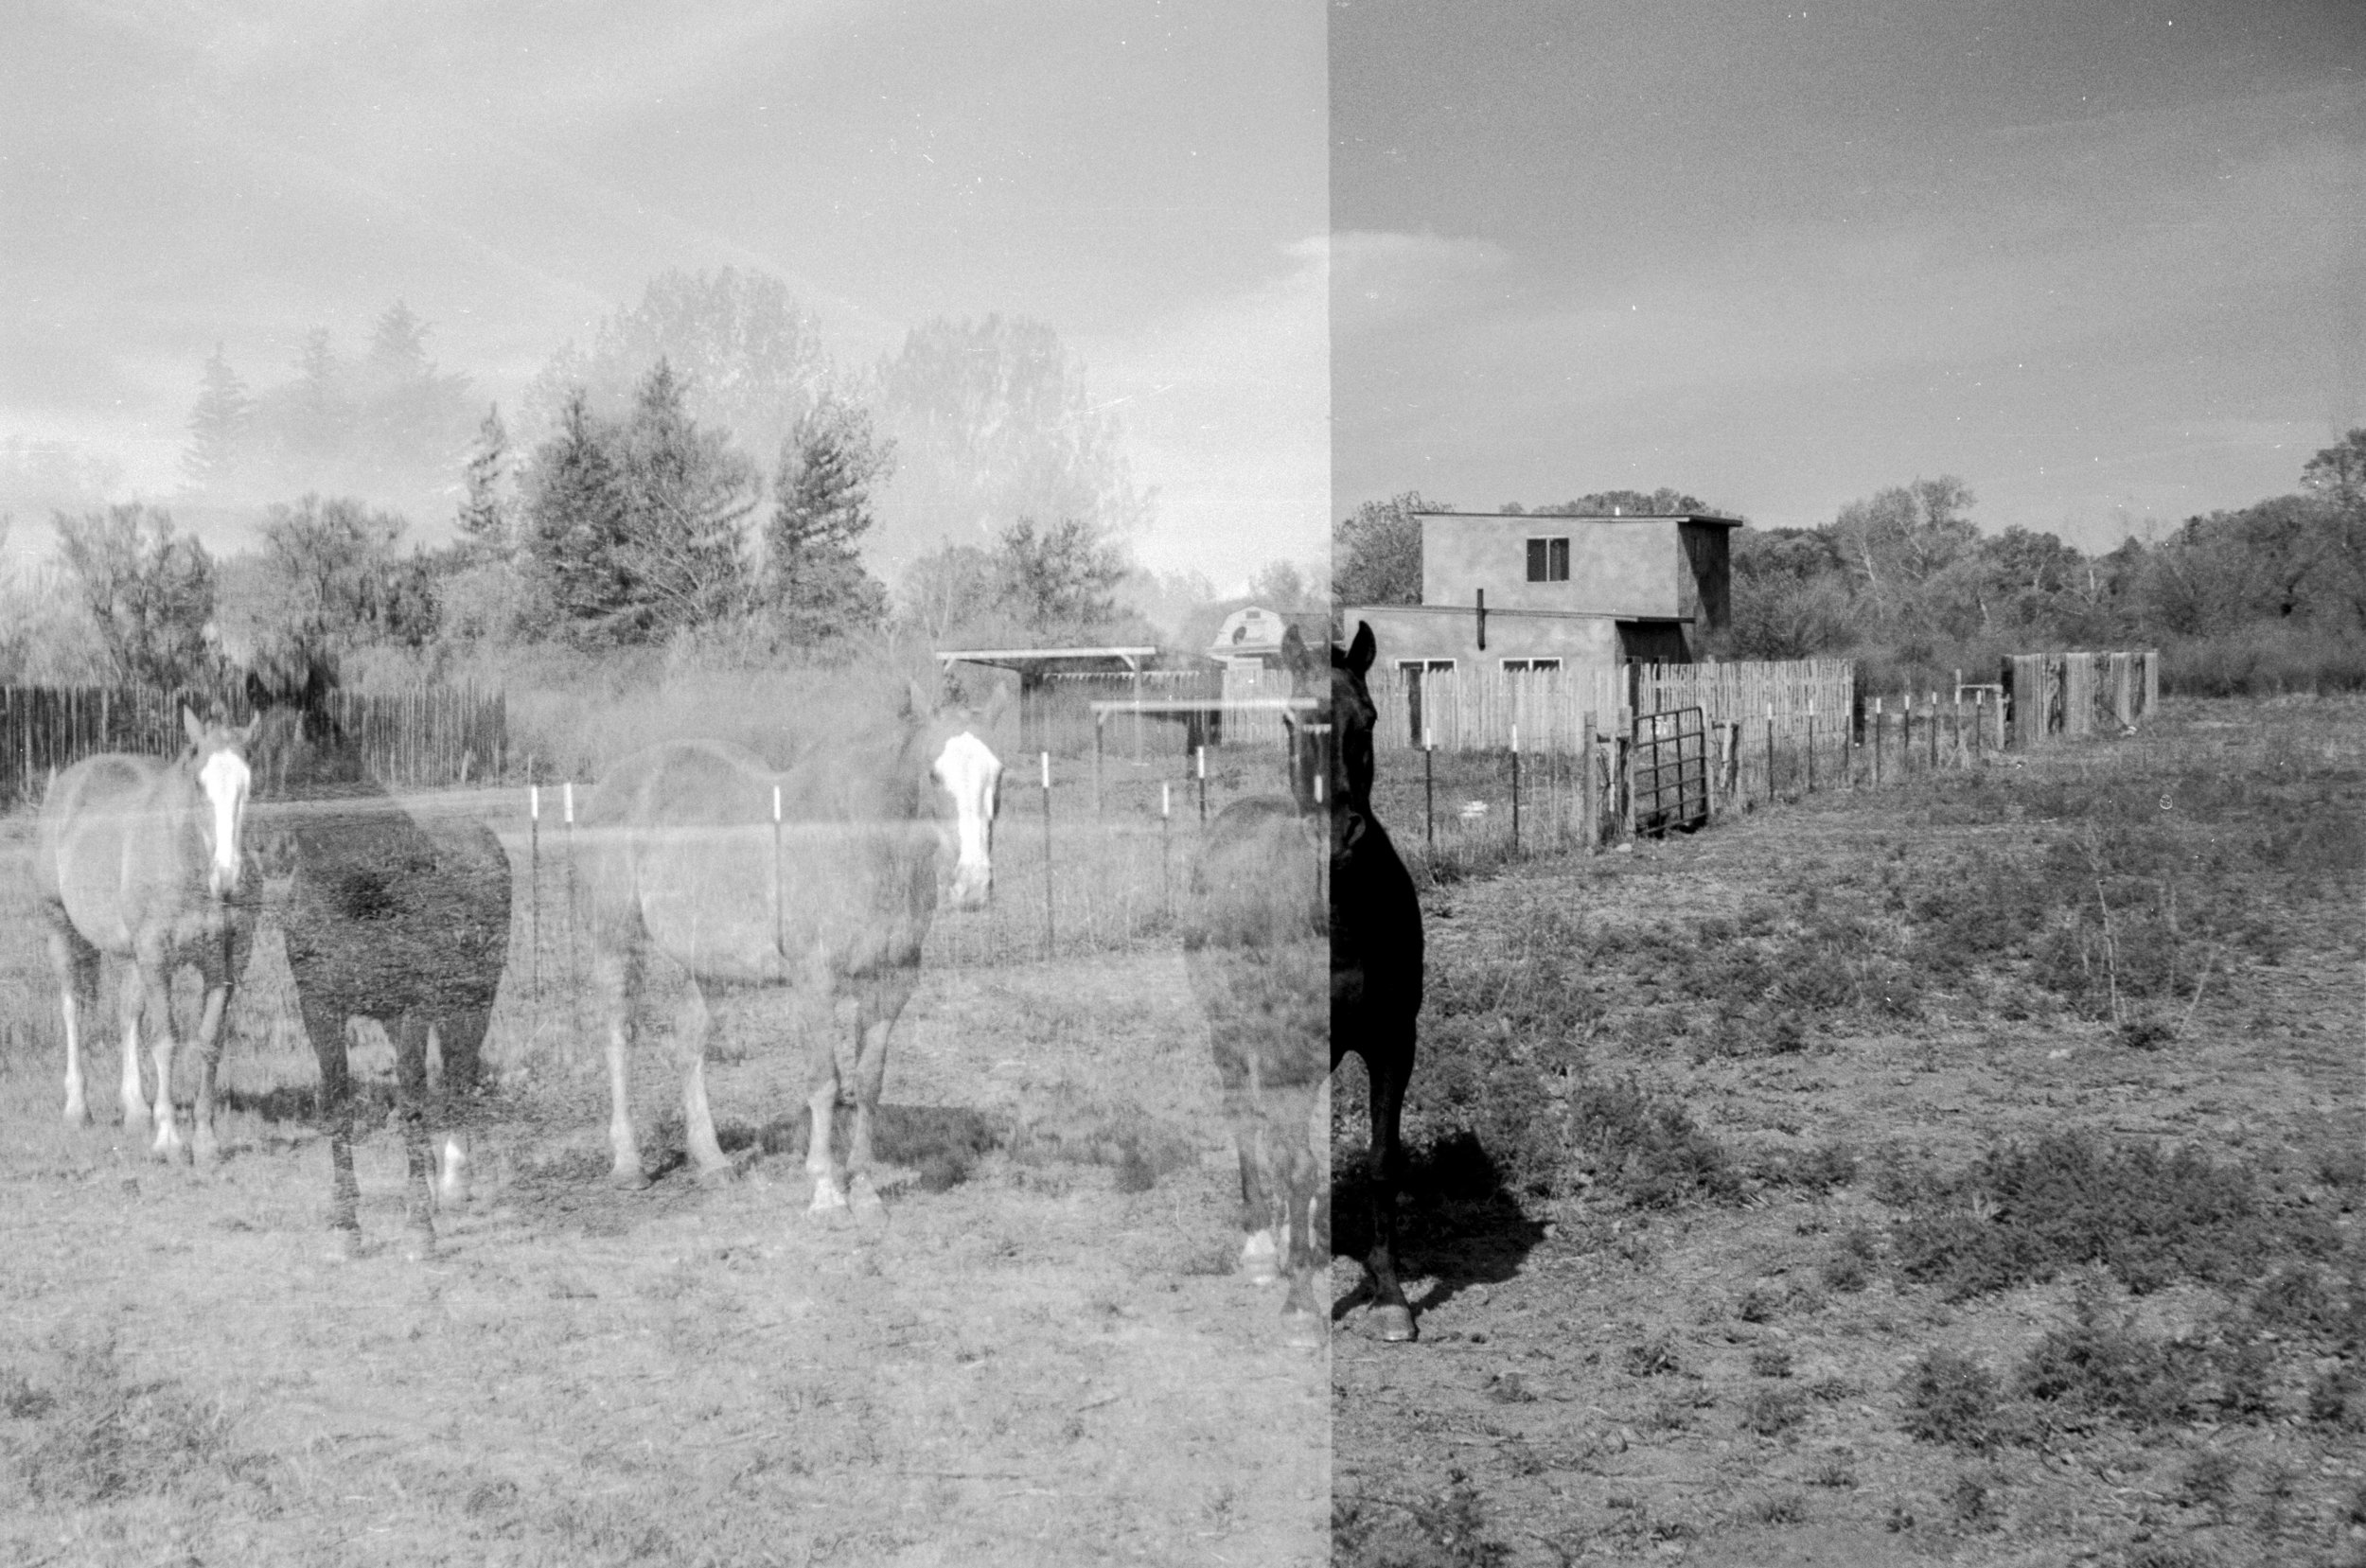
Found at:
[141, 859]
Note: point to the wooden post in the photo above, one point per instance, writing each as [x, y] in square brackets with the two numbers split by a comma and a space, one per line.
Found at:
[1877, 742]
[1515, 792]
[779, 933]
[1589, 806]
[534, 895]
[1047, 857]
[1166, 839]
[1098, 717]
[1203, 783]
[1811, 745]
[574, 970]
[1429, 788]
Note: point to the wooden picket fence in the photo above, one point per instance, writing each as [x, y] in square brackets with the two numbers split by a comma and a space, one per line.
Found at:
[1478, 710]
[419, 737]
[2079, 693]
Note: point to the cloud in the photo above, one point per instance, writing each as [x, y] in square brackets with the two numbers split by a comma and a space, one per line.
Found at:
[1227, 411]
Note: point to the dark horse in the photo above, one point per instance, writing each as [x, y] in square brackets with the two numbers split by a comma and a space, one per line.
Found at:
[1375, 962]
[399, 917]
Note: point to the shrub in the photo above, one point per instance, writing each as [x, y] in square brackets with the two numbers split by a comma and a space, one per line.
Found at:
[2019, 1214]
[1952, 1398]
[1647, 1148]
[1770, 1412]
[2095, 1370]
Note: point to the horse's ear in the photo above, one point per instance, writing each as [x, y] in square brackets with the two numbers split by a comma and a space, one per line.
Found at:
[1363, 650]
[191, 725]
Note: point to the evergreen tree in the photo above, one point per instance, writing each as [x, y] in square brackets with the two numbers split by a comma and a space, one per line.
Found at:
[1059, 580]
[688, 496]
[814, 573]
[486, 522]
[575, 525]
[218, 428]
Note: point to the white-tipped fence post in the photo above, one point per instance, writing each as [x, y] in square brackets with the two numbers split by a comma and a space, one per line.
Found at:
[575, 968]
[1047, 857]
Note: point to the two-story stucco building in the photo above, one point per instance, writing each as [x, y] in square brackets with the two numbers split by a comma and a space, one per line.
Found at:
[1530, 592]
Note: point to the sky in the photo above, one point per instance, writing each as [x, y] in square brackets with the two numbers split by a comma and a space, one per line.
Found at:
[1148, 178]
[2105, 263]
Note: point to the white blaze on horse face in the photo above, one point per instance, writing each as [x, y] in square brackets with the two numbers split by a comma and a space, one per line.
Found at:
[225, 779]
[972, 775]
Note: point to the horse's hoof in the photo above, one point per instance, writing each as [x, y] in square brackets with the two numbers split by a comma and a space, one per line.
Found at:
[1301, 1328]
[77, 1116]
[865, 1200]
[723, 1174]
[1394, 1323]
[419, 1245]
[628, 1179]
[1260, 1261]
[344, 1247]
[827, 1198]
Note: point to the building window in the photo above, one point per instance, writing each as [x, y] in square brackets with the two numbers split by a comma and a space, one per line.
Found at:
[1548, 560]
[1529, 666]
[1412, 670]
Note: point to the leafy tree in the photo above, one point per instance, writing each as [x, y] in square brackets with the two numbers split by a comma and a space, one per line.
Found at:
[50, 476]
[2338, 473]
[1791, 599]
[1633, 504]
[1376, 553]
[150, 594]
[749, 356]
[822, 508]
[991, 420]
[1281, 586]
[337, 581]
[953, 589]
[1060, 579]
[1901, 537]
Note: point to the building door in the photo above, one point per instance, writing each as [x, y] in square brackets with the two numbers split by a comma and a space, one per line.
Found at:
[1422, 708]
[1651, 643]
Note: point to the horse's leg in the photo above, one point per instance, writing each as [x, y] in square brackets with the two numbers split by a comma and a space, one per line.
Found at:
[1308, 1191]
[880, 1003]
[1387, 1077]
[818, 1017]
[615, 980]
[460, 1040]
[1260, 1254]
[76, 962]
[690, 1048]
[202, 1142]
[154, 967]
[418, 1202]
[324, 1026]
[225, 963]
[131, 996]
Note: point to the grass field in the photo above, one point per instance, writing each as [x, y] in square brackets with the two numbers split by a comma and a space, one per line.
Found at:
[1971, 1171]
[1042, 1357]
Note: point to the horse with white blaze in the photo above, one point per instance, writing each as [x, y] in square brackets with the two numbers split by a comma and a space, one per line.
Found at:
[820, 879]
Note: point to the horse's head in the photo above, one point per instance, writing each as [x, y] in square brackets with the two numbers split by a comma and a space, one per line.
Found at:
[215, 760]
[966, 769]
[1353, 717]
[298, 731]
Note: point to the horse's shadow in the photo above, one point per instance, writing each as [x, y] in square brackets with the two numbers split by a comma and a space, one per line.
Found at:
[1458, 1222]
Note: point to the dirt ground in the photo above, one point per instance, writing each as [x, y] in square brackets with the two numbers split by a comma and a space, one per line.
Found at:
[1600, 1382]
[1042, 1357]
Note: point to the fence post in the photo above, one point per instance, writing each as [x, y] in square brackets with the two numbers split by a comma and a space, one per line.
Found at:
[1098, 717]
[575, 972]
[1047, 856]
[1515, 792]
[534, 900]
[1770, 753]
[1589, 806]
[1811, 745]
[1166, 839]
[1429, 787]
[1203, 783]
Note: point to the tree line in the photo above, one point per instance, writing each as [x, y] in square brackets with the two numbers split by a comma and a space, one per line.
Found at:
[700, 469]
[2263, 597]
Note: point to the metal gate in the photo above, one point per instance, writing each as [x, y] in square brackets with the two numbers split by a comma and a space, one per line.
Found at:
[1668, 770]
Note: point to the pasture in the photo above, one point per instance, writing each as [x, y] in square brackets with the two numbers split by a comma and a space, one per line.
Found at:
[1972, 1169]
[1042, 1356]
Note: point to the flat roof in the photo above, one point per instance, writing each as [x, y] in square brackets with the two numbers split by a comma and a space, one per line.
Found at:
[1021, 658]
[1717, 518]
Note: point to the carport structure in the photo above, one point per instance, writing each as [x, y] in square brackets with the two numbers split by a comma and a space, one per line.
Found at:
[1035, 667]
